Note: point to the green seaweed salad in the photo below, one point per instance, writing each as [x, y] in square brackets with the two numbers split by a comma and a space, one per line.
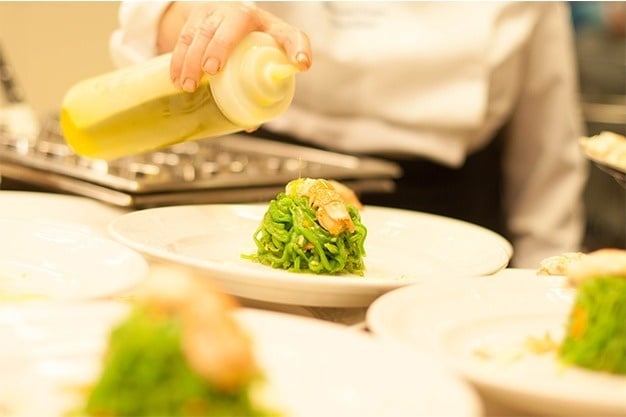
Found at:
[289, 237]
[596, 332]
[145, 374]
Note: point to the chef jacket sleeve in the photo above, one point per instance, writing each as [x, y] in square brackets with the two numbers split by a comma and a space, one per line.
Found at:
[545, 171]
[136, 37]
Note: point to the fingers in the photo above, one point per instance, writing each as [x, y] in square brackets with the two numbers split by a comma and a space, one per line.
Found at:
[210, 34]
[192, 69]
[206, 40]
[295, 43]
[224, 40]
[181, 48]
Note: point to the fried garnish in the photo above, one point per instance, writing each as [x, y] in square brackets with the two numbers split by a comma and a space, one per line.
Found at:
[558, 264]
[600, 263]
[607, 147]
[329, 202]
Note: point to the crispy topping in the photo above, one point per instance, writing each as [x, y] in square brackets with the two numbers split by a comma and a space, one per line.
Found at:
[329, 198]
[606, 147]
[603, 262]
[558, 265]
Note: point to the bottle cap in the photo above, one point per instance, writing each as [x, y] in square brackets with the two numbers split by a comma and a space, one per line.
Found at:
[257, 82]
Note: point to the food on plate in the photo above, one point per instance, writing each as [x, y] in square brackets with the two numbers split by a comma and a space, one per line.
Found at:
[313, 226]
[606, 147]
[596, 329]
[14, 288]
[179, 353]
[558, 264]
[21, 297]
[541, 345]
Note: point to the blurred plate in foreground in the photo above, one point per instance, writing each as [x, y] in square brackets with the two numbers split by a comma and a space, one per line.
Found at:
[60, 261]
[313, 368]
[92, 216]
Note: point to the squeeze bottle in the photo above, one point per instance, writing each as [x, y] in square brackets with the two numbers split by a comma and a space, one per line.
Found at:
[138, 108]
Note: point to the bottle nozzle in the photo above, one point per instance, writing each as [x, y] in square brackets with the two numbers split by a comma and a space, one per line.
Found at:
[257, 83]
[278, 72]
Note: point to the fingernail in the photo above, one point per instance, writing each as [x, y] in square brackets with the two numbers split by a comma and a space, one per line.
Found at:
[303, 59]
[211, 66]
[189, 85]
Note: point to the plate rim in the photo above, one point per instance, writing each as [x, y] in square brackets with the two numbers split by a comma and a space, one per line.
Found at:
[102, 211]
[137, 267]
[579, 401]
[393, 302]
[265, 317]
[369, 287]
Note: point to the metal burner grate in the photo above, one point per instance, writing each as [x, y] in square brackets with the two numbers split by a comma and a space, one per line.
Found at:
[234, 168]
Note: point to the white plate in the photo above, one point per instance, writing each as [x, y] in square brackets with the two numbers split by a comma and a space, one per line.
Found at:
[412, 314]
[46, 348]
[496, 316]
[83, 213]
[317, 368]
[314, 368]
[43, 330]
[403, 247]
[61, 262]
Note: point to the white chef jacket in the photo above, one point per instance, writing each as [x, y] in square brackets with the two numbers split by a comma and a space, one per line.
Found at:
[436, 80]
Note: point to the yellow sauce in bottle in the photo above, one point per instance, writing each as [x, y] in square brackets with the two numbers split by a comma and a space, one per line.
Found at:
[163, 121]
[138, 109]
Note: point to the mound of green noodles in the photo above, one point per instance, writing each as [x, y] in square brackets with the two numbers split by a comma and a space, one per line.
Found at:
[596, 331]
[146, 374]
[289, 237]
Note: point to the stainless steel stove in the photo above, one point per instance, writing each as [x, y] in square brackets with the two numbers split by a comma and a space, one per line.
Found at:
[234, 168]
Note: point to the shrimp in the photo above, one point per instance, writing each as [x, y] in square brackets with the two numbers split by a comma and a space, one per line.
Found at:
[347, 194]
[214, 343]
[215, 346]
[329, 203]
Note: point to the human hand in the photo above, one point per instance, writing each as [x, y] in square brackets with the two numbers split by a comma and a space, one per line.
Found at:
[201, 36]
